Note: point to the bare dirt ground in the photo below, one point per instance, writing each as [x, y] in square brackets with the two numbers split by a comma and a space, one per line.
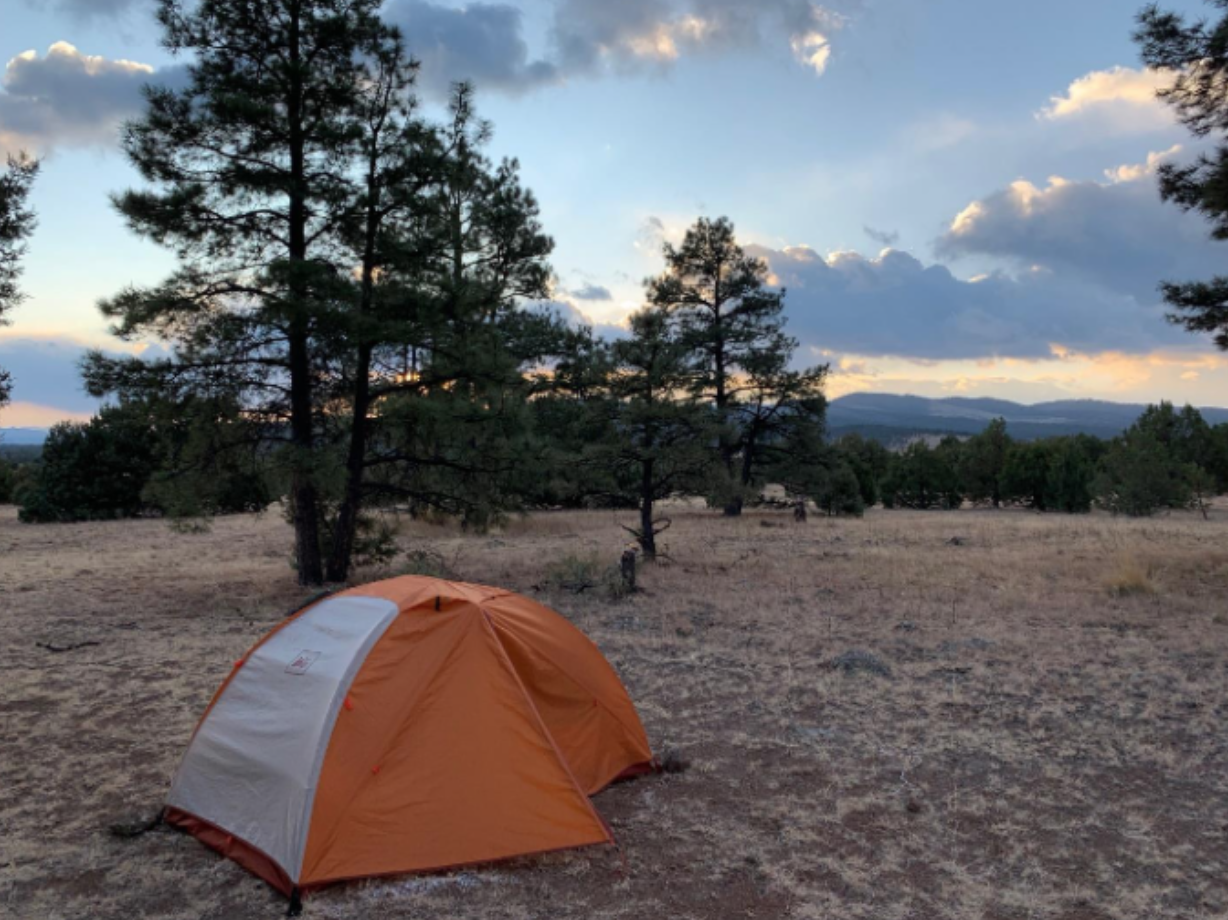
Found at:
[1047, 741]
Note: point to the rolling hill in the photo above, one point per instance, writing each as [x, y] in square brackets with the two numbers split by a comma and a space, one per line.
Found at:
[889, 418]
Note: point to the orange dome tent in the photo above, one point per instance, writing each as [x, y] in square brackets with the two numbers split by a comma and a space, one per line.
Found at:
[407, 725]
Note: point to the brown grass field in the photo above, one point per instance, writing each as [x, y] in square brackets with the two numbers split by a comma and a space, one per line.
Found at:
[1049, 742]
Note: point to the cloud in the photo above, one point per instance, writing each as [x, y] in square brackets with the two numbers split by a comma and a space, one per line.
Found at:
[591, 292]
[575, 317]
[1116, 234]
[47, 385]
[482, 43]
[592, 35]
[885, 238]
[1132, 172]
[651, 236]
[32, 415]
[1173, 374]
[485, 42]
[1120, 98]
[90, 9]
[894, 305]
[69, 98]
[45, 373]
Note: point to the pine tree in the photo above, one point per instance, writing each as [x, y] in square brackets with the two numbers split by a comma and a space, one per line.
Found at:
[922, 477]
[1025, 476]
[1139, 476]
[983, 461]
[661, 436]
[251, 185]
[869, 461]
[1196, 54]
[444, 417]
[16, 225]
[733, 325]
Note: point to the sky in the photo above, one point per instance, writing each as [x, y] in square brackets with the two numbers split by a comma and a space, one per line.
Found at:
[959, 196]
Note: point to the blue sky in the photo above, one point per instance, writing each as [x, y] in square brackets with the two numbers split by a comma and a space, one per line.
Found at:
[958, 194]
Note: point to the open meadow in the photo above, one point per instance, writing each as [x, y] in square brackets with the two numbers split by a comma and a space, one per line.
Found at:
[1035, 730]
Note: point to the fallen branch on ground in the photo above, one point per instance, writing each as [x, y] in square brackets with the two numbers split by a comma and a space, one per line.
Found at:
[71, 647]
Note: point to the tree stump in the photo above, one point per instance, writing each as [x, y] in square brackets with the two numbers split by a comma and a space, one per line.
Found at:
[626, 567]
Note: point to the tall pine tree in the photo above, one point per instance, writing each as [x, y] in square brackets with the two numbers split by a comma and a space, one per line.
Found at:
[250, 183]
[16, 225]
[660, 437]
[1196, 54]
[733, 324]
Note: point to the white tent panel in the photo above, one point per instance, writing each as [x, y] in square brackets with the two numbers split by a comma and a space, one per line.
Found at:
[253, 766]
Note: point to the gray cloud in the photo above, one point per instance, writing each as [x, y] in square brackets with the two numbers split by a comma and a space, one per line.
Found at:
[90, 9]
[481, 42]
[894, 305]
[882, 237]
[45, 372]
[591, 35]
[485, 43]
[1117, 234]
[69, 98]
[591, 292]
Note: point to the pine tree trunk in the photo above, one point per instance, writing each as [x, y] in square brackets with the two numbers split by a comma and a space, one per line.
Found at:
[302, 481]
[345, 528]
[648, 539]
[302, 422]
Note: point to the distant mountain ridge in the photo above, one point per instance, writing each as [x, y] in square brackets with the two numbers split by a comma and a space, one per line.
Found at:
[20, 437]
[889, 417]
[881, 414]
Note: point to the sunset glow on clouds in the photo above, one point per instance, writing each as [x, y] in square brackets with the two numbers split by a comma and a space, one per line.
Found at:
[1122, 92]
[1116, 376]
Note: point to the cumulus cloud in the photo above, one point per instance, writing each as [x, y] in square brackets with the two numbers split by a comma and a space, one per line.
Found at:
[575, 317]
[593, 34]
[69, 98]
[482, 43]
[1131, 172]
[1120, 98]
[1116, 234]
[485, 42]
[894, 305]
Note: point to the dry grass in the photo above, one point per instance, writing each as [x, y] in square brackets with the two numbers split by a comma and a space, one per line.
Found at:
[1041, 748]
[1129, 576]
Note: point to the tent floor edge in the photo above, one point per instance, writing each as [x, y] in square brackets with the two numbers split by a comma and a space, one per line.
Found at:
[234, 848]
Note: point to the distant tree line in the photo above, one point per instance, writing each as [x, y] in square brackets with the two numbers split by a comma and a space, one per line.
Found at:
[1168, 459]
[619, 430]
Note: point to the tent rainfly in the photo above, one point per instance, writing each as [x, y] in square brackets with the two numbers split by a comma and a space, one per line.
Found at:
[403, 726]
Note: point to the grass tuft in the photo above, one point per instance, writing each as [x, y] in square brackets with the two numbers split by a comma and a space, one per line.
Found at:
[1130, 577]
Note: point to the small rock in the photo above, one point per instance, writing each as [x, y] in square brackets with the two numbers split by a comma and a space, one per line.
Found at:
[913, 807]
[906, 626]
[817, 733]
[956, 541]
[860, 660]
[673, 762]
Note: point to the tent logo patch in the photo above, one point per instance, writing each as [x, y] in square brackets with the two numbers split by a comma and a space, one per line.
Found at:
[302, 661]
